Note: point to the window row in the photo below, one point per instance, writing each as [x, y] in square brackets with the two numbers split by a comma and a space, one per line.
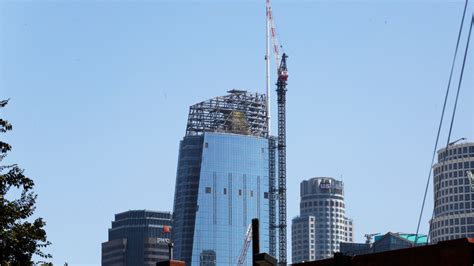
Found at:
[454, 221]
[453, 230]
[463, 179]
[331, 203]
[454, 207]
[208, 190]
[456, 151]
[454, 166]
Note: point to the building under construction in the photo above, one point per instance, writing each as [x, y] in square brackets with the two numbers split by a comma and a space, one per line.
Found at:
[225, 178]
[238, 112]
[228, 175]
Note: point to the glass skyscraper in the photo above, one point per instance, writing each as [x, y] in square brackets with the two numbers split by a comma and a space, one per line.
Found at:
[222, 180]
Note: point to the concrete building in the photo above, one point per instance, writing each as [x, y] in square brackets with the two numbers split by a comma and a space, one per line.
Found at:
[453, 193]
[222, 180]
[322, 224]
[137, 238]
[382, 243]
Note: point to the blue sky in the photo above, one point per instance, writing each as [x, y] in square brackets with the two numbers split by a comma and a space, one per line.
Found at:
[100, 93]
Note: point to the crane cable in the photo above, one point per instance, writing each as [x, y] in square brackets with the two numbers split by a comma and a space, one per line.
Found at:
[441, 120]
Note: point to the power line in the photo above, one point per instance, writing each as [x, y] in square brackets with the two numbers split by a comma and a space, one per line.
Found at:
[441, 119]
[455, 105]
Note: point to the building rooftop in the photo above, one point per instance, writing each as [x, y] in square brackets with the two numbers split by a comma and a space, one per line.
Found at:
[422, 239]
[130, 214]
[453, 252]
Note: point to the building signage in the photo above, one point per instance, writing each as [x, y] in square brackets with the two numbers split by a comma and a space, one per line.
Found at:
[325, 184]
[162, 241]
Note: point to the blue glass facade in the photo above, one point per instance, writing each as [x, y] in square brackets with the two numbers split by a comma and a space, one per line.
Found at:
[222, 184]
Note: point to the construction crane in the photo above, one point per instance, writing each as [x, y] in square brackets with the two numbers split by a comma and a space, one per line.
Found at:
[369, 237]
[281, 96]
[282, 73]
[245, 247]
[271, 32]
[272, 141]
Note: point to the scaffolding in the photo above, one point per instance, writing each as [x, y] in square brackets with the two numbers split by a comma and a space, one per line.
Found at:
[238, 112]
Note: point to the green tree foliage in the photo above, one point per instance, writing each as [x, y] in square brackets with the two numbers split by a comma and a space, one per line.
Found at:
[21, 237]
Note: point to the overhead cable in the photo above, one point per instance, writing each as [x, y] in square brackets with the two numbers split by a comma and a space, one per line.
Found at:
[441, 119]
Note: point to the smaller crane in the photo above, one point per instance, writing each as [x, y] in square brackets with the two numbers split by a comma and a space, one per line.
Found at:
[369, 238]
[245, 247]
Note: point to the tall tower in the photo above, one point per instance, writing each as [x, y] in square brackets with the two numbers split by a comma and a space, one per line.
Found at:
[222, 180]
[322, 224]
[453, 193]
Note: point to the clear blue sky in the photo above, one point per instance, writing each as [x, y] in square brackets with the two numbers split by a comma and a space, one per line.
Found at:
[100, 93]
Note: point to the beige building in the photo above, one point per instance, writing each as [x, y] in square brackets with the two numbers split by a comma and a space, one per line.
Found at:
[322, 225]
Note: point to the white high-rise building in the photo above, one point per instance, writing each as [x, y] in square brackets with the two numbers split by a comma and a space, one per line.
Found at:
[453, 193]
[322, 224]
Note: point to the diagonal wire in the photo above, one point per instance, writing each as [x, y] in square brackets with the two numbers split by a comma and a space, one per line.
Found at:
[441, 119]
[454, 108]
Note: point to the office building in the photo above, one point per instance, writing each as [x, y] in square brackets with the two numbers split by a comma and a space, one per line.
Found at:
[137, 237]
[322, 224]
[382, 243]
[453, 193]
[222, 180]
